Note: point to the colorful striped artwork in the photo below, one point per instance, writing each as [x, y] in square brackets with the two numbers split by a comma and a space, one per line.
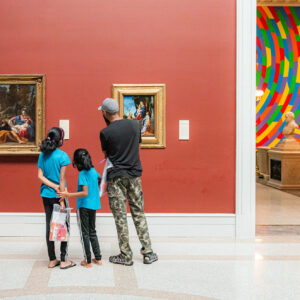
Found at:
[278, 71]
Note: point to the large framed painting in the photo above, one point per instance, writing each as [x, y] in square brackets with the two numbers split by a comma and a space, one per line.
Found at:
[22, 114]
[145, 103]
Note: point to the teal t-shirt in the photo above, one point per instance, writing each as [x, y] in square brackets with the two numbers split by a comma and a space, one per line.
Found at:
[89, 178]
[51, 164]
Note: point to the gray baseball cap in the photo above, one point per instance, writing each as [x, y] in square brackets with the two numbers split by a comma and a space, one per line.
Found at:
[109, 105]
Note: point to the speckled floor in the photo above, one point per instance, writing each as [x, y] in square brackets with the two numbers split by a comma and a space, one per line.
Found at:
[203, 268]
[267, 267]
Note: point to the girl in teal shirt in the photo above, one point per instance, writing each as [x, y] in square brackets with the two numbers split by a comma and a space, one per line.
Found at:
[52, 166]
[88, 201]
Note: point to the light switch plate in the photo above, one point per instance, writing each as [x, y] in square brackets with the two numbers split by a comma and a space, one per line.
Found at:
[184, 130]
[65, 125]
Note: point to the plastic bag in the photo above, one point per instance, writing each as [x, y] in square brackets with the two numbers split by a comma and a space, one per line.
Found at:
[59, 228]
[103, 185]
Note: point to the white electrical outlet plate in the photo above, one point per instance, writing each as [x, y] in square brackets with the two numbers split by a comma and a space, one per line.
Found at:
[65, 125]
[184, 130]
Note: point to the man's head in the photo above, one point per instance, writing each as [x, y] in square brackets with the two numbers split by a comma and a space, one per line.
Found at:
[110, 110]
[109, 105]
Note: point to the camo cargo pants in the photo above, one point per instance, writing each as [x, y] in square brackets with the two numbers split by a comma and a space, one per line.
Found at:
[118, 190]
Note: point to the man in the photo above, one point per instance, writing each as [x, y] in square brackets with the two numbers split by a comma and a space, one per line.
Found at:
[120, 143]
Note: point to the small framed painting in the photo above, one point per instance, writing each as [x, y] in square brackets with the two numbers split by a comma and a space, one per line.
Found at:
[145, 103]
[22, 114]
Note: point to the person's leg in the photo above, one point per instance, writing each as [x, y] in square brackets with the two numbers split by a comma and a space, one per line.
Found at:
[117, 201]
[65, 245]
[83, 223]
[64, 251]
[48, 206]
[136, 204]
[19, 140]
[65, 263]
[93, 235]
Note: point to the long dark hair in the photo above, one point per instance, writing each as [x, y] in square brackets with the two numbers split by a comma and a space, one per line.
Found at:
[55, 139]
[82, 160]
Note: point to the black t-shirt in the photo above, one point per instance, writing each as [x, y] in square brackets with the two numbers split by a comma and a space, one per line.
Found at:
[120, 140]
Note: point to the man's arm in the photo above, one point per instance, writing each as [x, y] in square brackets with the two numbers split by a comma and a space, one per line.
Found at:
[103, 143]
[140, 140]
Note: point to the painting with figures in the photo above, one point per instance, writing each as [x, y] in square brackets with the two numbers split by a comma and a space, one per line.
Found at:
[17, 113]
[145, 103]
[141, 109]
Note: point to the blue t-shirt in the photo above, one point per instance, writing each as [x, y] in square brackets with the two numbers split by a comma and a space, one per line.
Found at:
[51, 164]
[89, 178]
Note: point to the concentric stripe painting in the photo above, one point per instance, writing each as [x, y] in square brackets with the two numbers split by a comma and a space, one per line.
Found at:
[277, 71]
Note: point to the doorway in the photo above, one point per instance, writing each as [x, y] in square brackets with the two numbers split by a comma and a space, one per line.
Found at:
[277, 92]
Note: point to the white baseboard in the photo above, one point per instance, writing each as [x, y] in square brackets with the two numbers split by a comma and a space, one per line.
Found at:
[160, 225]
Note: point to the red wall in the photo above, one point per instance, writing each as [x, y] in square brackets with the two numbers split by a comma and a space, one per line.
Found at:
[84, 46]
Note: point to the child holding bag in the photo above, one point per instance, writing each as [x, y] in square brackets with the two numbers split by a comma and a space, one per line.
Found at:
[52, 164]
[88, 202]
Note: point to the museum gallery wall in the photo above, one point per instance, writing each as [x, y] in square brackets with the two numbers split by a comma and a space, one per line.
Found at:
[278, 71]
[85, 47]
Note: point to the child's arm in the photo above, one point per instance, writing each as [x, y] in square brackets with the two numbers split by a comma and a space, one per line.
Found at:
[62, 178]
[82, 194]
[62, 185]
[46, 181]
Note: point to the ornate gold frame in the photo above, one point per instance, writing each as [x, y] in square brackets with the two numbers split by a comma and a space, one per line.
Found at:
[39, 81]
[159, 92]
[278, 2]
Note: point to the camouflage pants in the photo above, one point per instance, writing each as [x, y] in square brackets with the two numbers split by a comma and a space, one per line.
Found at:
[118, 190]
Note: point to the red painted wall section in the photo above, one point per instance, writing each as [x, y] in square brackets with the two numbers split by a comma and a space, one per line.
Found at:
[84, 47]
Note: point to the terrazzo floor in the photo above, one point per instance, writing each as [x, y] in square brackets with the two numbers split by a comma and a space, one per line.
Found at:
[202, 268]
[267, 267]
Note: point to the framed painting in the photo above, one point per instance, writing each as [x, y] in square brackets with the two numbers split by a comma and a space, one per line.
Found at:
[278, 2]
[22, 114]
[145, 103]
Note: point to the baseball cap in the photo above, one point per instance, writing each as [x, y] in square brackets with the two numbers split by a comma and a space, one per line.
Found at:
[109, 105]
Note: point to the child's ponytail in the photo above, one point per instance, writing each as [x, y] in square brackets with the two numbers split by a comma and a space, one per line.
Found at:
[55, 138]
[86, 161]
[82, 160]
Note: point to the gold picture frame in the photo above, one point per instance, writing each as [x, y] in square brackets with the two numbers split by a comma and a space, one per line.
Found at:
[22, 114]
[278, 2]
[151, 112]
